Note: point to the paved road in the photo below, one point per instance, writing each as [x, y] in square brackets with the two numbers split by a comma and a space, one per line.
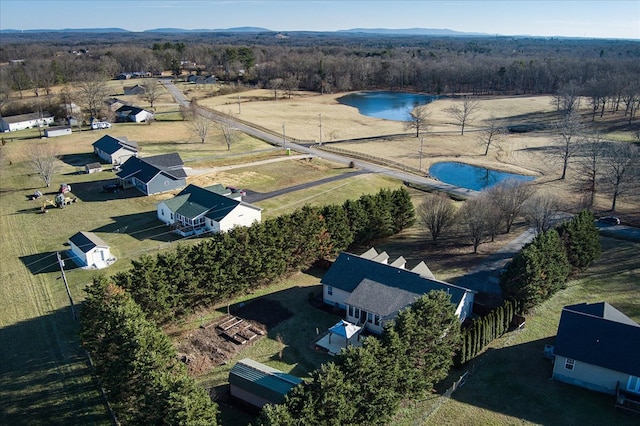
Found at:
[341, 159]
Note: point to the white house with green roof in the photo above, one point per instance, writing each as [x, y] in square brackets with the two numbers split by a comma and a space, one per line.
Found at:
[196, 210]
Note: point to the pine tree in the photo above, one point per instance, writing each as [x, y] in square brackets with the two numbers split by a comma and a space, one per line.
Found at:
[581, 240]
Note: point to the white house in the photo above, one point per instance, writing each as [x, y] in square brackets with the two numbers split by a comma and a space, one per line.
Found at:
[89, 251]
[134, 114]
[13, 123]
[53, 132]
[196, 210]
[598, 347]
[115, 150]
[372, 291]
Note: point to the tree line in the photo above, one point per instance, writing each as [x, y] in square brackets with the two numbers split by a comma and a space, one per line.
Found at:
[243, 259]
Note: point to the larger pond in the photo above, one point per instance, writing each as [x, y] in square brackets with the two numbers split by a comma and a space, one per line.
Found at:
[472, 177]
[394, 106]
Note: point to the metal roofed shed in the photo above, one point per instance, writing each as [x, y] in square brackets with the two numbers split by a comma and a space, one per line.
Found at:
[257, 384]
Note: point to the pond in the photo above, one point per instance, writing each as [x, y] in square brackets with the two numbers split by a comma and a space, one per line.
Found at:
[394, 106]
[472, 177]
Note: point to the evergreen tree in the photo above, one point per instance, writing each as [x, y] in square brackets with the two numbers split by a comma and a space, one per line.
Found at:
[581, 240]
[337, 224]
[403, 212]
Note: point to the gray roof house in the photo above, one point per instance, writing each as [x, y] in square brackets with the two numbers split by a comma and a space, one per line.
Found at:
[257, 384]
[153, 175]
[598, 347]
[137, 89]
[115, 150]
[129, 113]
[372, 291]
[196, 210]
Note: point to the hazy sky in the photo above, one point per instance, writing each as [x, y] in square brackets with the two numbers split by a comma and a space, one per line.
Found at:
[573, 18]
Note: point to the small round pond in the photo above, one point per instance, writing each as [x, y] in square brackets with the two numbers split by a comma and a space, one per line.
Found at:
[471, 177]
[394, 106]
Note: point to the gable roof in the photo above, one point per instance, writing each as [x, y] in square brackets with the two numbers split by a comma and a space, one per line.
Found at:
[87, 241]
[349, 271]
[600, 335]
[193, 201]
[147, 168]
[262, 380]
[110, 144]
[381, 299]
[26, 117]
[130, 110]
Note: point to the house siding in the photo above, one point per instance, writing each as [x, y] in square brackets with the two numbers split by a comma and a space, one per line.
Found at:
[588, 376]
[337, 298]
[465, 307]
[161, 183]
[240, 216]
[248, 397]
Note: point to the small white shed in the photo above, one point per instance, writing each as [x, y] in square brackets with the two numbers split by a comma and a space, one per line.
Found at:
[90, 251]
[53, 132]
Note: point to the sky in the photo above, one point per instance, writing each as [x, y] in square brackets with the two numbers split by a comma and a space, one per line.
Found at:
[569, 18]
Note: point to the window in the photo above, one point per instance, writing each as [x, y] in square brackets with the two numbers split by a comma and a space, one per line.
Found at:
[357, 313]
[569, 363]
[350, 310]
[161, 212]
[330, 290]
[376, 319]
[369, 317]
[633, 384]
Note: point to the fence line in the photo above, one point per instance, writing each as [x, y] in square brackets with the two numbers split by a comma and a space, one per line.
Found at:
[447, 394]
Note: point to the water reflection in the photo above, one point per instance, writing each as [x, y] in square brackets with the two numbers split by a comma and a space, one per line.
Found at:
[472, 177]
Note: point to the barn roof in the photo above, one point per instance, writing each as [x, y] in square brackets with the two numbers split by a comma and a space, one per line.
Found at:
[147, 168]
[262, 380]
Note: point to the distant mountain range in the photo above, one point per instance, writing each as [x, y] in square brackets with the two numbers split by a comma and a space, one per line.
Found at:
[386, 31]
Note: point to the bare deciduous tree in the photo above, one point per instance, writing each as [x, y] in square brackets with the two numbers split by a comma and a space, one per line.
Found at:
[473, 217]
[491, 134]
[509, 197]
[275, 84]
[229, 133]
[463, 115]
[92, 90]
[199, 124]
[540, 210]
[568, 140]
[621, 170]
[418, 119]
[437, 213]
[290, 85]
[589, 167]
[43, 160]
[152, 92]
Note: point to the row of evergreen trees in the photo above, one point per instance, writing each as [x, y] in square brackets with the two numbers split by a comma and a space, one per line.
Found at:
[365, 385]
[543, 266]
[243, 259]
[483, 330]
[136, 363]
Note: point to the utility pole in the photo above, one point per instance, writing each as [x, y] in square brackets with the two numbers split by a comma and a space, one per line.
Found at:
[320, 115]
[239, 104]
[66, 285]
[284, 138]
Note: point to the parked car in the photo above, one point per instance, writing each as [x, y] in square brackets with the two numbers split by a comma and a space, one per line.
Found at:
[100, 125]
[234, 190]
[609, 220]
[112, 187]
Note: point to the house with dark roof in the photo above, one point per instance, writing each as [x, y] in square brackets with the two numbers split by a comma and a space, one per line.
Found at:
[153, 175]
[89, 251]
[136, 89]
[597, 347]
[372, 291]
[13, 123]
[115, 150]
[196, 210]
[130, 113]
[258, 384]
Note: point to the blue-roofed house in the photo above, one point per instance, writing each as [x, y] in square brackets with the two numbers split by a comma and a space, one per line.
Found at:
[598, 347]
[129, 113]
[258, 384]
[154, 175]
[372, 291]
[115, 150]
[196, 210]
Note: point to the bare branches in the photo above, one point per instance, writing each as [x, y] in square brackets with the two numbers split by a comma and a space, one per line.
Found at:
[569, 131]
[43, 160]
[462, 115]
[491, 134]
[436, 213]
[93, 91]
[199, 124]
[621, 170]
[229, 133]
[152, 92]
[418, 119]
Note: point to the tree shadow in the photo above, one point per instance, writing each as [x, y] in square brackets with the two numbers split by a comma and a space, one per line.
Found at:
[516, 381]
[45, 377]
[94, 192]
[79, 160]
[141, 226]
